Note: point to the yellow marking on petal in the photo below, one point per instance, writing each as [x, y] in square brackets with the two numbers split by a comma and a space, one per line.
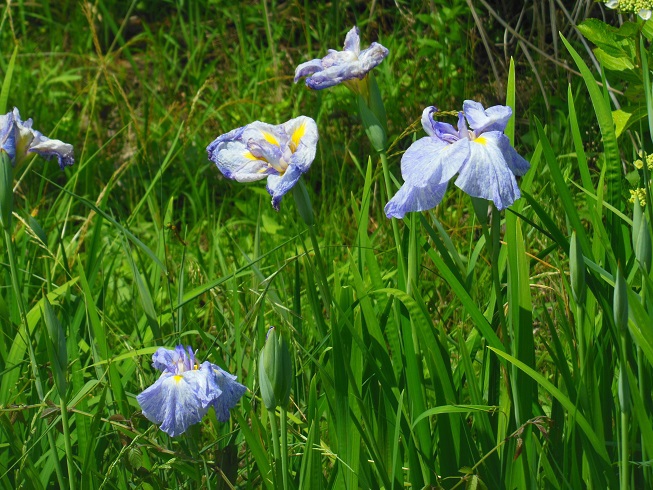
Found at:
[250, 155]
[177, 378]
[269, 137]
[481, 140]
[297, 136]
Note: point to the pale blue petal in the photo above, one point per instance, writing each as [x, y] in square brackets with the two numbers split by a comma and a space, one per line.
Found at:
[424, 162]
[428, 121]
[232, 391]
[410, 198]
[494, 118]
[234, 159]
[303, 135]
[353, 40]
[516, 163]
[307, 68]
[371, 57]
[47, 148]
[279, 185]
[174, 401]
[486, 173]
[165, 359]
[332, 76]
[8, 135]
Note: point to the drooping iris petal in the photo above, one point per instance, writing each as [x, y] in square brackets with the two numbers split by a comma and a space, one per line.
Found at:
[339, 66]
[410, 199]
[281, 153]
[28, 140]
[486, 173]
[232, 391]
[185, 390]
[174, 401]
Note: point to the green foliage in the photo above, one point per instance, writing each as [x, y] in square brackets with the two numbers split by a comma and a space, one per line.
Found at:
[456, 348]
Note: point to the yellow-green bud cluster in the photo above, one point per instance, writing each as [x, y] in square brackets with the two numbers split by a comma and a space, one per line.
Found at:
[638, 194]
[639, 164]
[642, 8]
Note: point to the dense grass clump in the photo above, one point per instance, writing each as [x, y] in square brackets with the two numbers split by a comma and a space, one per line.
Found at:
[459, 347]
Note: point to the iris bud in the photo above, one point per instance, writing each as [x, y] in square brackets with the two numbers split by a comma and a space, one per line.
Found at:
[275, 370]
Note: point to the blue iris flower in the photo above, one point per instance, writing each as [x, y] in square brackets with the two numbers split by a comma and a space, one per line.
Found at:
[482, 157]
[184, 392]
[347, 66]
[257, 151]
[18, 139]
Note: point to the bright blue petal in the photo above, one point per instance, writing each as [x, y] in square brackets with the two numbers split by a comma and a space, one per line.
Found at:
[232, 391]
[175, 401]
[410, 199]
[279, 185]
[494, 118]
[486, 173]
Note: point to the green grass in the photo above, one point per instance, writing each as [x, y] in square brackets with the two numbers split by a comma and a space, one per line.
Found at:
[443, 350]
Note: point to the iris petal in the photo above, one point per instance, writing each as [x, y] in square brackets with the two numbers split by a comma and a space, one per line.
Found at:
[279, 185]
[427, 162]
[353, 40]
[481, 120]
[231, 392]
[486, 173]
[174, 401]
[411, 198]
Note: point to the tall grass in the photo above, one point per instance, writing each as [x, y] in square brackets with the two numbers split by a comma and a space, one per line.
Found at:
[456, 353]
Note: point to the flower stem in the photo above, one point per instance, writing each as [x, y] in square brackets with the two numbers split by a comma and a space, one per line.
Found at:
[275, 445]
[67, 441]
[284, 448]
[401, 266]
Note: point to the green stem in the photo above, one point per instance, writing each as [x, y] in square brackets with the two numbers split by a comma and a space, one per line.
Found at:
[284, 448]
[580, 336]
[401, 266]
[67, 442]
[275, 445]
[13, 268]
[625, 445]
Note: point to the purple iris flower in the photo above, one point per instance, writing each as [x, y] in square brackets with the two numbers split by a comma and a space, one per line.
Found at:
[18, 139]
[257, 151]
[184, 392]
[352, 64]
[482, 157]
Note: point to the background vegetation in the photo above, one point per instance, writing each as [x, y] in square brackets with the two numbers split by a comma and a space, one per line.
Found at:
[465, 360]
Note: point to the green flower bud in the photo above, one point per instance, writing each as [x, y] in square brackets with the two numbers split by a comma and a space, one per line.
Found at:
[577, 270]
[275, 371]
[620, 302]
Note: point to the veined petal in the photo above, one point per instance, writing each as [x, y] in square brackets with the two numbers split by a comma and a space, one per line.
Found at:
[307, 68]
[411, 198]
[353, 40]
[516, 163]
[174, 401]
[486, 173]
[236, 162]
[303, 135]
[165, 359]
[232, 391]
[332, 76]
[424, 163]
[279, 185]
[445, 132]
[495, 118]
